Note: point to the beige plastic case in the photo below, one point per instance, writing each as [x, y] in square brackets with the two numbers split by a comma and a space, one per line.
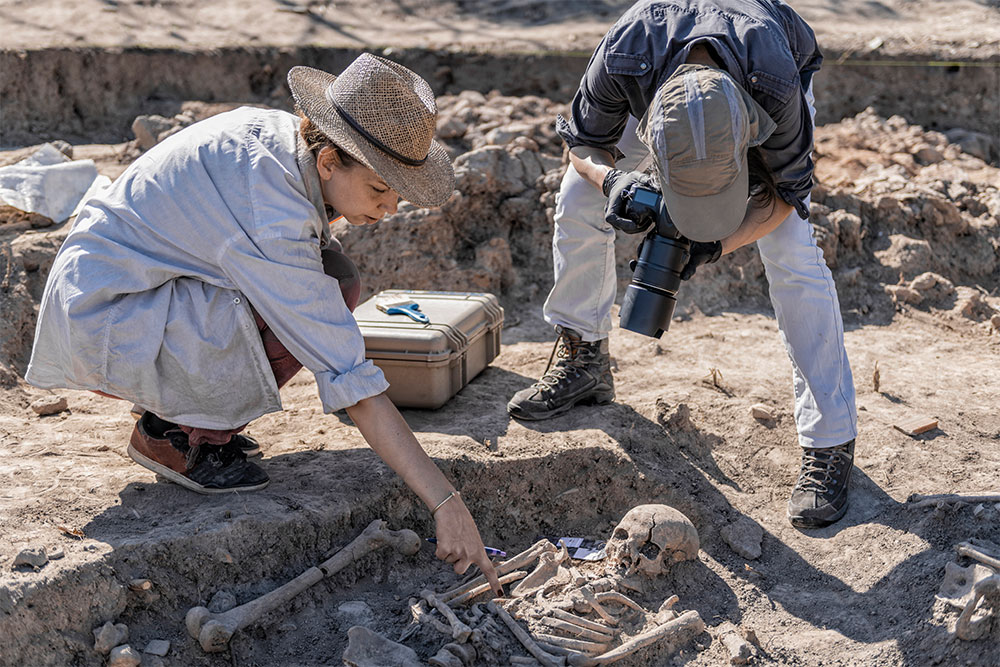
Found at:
[427, 364]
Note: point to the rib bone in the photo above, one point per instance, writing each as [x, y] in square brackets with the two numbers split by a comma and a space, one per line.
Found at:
[482, 588]
[576, 630]
[547, 659]
[592, 648]
[584, 622]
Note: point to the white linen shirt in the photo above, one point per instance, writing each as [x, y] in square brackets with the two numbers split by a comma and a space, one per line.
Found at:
[149, 297]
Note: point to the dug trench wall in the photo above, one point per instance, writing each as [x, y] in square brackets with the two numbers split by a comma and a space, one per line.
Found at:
[94, 93]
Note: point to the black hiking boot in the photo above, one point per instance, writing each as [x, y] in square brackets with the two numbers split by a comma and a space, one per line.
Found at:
[820, 494]
[205, 468]
[582, 374]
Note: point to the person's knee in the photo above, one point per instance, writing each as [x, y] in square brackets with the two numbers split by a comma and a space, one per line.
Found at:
[338, 265]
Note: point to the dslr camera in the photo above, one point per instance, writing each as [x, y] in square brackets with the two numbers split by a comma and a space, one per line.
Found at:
[650, 298]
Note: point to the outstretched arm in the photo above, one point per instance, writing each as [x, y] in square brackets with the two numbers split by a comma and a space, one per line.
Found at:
[458, 540]
[758, 222]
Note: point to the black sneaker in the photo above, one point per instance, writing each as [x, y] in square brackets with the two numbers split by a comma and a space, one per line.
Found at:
[246, 444]
[582, 374]
[820, 494]
[205, 468]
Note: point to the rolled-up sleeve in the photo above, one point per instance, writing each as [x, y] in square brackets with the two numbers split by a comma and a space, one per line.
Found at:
[599, 110]
[788, 152]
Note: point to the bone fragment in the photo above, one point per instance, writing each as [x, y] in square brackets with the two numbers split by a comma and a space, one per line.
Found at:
[970, 550]
[584, 622]
[421, 616]
[445, 658]
[965, 627]
[547, 569]
[547, 659]
[588, 595]
[572, 658]
[213, 631]
[666, 612]
[459, 630]
[580, 645]
[688, 623]
[576, 630]
[919, 500]
[482, 588]
[614, 596]
[509, 565]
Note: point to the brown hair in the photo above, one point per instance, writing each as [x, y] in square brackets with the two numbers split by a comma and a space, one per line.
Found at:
[316, 140]
[763, 189]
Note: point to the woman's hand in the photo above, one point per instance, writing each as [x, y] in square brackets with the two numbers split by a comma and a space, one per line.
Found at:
[458, 538]
[459, 543]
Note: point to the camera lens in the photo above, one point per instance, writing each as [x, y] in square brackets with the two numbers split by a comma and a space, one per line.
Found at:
[649, 300]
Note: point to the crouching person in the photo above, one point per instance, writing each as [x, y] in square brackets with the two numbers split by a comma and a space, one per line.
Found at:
[205, 277]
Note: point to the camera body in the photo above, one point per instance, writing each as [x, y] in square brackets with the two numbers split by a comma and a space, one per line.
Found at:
[650, 298]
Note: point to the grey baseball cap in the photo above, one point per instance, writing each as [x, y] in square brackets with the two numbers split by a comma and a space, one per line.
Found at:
[699, 127]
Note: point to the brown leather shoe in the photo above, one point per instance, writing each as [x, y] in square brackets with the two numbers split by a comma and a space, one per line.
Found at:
[204, 469]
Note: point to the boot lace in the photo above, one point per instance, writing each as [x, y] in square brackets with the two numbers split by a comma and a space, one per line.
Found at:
[819, 468]
[571, 356]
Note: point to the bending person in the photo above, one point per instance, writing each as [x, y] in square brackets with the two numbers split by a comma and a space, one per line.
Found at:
[723, 88]
[206, 277]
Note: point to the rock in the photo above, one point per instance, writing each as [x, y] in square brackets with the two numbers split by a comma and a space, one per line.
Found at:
[56, 553]
[906, 255]
[761, 412]
[147, 128]
[32, 556]
[153, 661]
[977, 144]
[49, 405]
[63, 147]
[740, 650]
[224, 556]
[124, 656]
[369, 649]
[674, 418]
[158, 647]
[995, 321]
[903, 294]
[140, 584]
[932, 286]
[109, 636]
[15, 216]
[744, 537]
[222, 601]
[355, 612]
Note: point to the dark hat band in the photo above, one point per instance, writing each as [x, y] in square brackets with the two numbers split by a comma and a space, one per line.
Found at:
[378, 144]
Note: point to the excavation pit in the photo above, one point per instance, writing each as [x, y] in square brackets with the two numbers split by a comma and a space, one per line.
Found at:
[896, 201]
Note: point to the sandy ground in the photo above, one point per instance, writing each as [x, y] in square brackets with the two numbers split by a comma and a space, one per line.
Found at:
[859, 593]
[950, 28]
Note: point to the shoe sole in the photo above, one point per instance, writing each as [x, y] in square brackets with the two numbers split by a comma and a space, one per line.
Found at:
[598, 399]
[806, 522]
[177, 478]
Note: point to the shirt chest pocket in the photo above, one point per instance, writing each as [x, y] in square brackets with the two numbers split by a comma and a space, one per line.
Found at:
[773, 86]
[627, 64]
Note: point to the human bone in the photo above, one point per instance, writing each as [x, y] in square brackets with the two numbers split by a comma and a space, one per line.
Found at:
[649, 539]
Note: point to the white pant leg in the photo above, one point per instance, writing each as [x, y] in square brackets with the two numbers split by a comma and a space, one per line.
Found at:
[583, 250]
[808, 312]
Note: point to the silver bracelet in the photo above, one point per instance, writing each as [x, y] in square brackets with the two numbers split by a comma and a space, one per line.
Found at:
[446, 499]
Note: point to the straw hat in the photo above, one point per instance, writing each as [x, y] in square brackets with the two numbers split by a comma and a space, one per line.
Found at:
[384, 116]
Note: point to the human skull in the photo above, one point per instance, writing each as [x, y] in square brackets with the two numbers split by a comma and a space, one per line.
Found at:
[651, 538]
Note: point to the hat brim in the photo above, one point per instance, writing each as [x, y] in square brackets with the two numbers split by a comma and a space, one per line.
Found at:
[429, 184]
[711, 217]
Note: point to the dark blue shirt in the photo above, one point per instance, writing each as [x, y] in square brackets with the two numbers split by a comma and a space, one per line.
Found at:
[764, 45]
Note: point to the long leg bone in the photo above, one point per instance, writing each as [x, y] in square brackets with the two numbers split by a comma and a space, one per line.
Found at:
[213, 631]
[688, 622]
[482, 588]
[547, 659]
[459, 630]
[509, 565]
